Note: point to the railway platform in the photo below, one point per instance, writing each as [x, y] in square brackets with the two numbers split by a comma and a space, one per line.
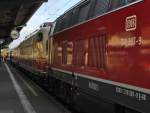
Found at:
[18, 94]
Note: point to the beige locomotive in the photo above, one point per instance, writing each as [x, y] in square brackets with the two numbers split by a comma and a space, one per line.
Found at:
[32, 53]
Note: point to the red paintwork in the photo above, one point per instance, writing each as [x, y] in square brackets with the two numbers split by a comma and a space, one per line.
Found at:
[125, 64]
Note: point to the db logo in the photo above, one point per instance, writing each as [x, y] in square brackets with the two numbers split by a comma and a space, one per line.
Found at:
[131, 22]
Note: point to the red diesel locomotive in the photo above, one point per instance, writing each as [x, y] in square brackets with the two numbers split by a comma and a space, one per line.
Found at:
[99, 56]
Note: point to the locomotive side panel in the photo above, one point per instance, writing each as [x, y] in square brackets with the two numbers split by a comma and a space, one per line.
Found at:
[107, 56]
[32, 53]
[26, 54]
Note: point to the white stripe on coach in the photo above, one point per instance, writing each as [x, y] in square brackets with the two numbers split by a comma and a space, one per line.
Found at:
[24, 100]
[144, 90]
[56, 69]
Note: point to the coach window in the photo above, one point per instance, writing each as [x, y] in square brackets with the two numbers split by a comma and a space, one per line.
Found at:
[64, 52]
[97, 52]
[79, 53]
[101, 7]
[57, 59]
[83, 13]
[69, 52]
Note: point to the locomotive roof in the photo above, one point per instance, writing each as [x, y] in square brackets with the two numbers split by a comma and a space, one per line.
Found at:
[46, 24]
[82, 2]
[79, 4]
[32, 34]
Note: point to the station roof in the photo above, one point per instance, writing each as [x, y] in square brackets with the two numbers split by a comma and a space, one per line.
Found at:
[15, 13]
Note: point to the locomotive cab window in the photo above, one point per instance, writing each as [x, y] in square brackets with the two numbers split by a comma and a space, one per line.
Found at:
[40, 37]
[47, 47]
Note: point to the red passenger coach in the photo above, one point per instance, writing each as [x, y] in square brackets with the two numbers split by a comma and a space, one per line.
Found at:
[101, 47]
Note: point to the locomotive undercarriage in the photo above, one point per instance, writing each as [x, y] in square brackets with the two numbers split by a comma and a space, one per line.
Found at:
[81, 99]
[75, 97]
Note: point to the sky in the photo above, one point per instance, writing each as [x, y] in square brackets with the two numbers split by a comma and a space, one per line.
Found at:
[48, 12]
